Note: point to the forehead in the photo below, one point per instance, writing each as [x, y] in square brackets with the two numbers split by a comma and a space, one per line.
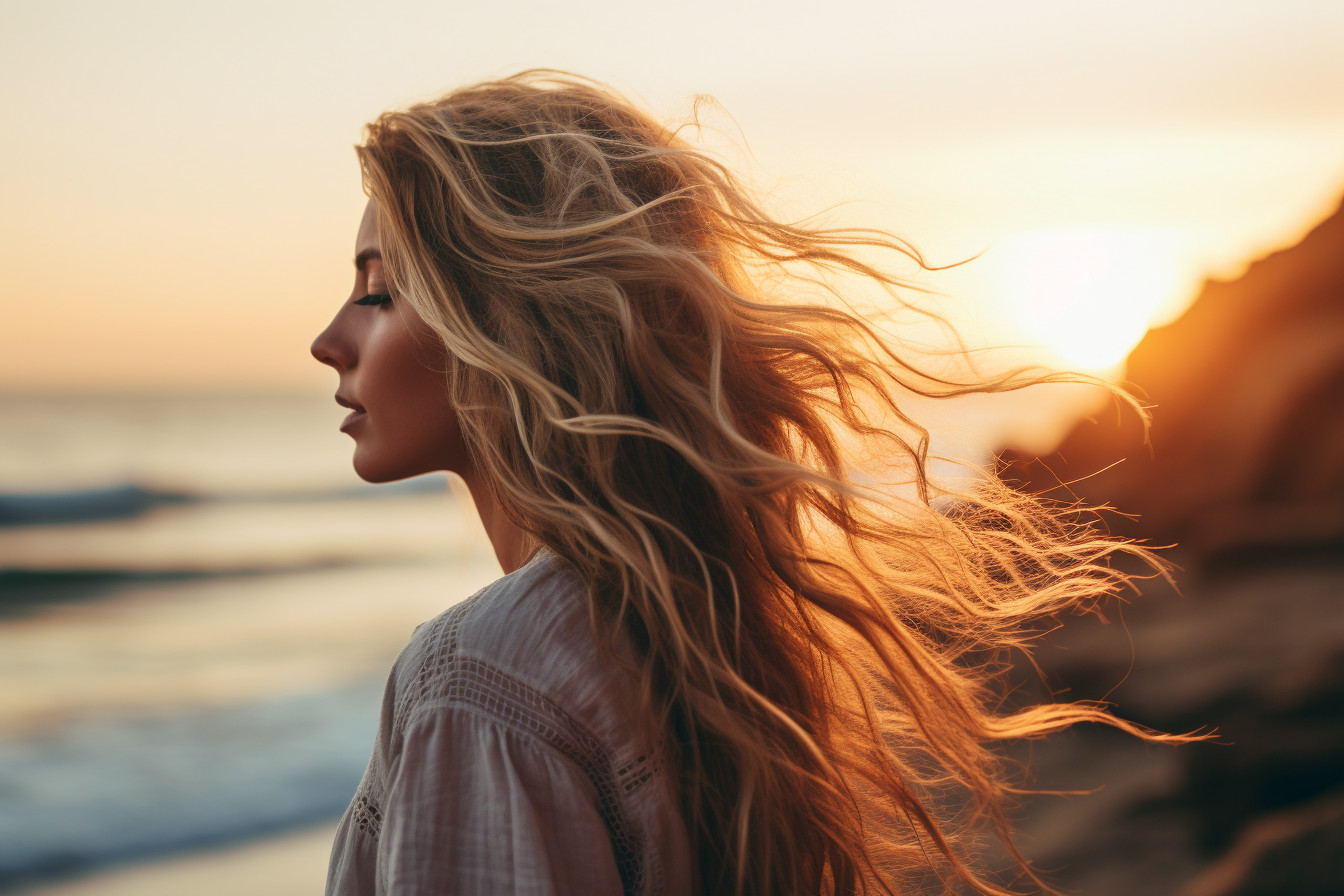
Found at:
[367, 238]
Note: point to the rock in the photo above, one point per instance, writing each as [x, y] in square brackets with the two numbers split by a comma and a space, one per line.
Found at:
[1247, 438]
[1299, 852]
[1259, 658]
[1245, 470]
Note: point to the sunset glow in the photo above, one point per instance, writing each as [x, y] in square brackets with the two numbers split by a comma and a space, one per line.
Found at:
[195, 234]
[1089, 295]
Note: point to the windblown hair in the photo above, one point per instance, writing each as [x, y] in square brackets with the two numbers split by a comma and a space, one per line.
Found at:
[642, 377]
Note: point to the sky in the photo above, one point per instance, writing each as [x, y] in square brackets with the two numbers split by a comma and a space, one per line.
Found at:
[181, 196]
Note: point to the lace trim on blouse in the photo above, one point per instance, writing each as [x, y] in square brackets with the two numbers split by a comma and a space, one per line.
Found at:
[446, 679]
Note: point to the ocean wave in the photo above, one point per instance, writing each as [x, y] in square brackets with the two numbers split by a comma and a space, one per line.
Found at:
[84, 505]
[128, 500]
[106, 791]
[25, 591]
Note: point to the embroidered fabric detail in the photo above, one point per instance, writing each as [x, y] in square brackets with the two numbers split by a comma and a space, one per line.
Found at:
[367, 816]
[445, 678]
[440, 643]
[636, 773]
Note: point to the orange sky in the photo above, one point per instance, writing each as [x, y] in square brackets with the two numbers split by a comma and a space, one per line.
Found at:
[180, 196]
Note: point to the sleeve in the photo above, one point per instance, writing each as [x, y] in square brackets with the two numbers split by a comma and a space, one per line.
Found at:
[474, 807]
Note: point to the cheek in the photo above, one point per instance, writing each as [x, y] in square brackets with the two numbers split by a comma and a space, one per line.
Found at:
[418, 423]
[406, 369]
[422, 377]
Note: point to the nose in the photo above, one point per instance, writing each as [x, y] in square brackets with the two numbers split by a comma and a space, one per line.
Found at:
[330, 348]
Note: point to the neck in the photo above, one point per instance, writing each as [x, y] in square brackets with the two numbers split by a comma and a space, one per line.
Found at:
[511, 544]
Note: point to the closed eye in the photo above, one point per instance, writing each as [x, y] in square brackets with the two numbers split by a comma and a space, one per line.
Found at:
[375, 298]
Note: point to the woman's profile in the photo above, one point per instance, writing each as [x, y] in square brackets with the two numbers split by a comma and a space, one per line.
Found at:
[724, 657]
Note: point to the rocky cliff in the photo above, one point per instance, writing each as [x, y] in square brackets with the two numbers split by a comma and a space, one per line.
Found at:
[1245, 472]
[1246, 447]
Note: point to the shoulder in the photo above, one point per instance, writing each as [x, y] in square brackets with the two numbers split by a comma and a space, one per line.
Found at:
[534, 621]
[522, 652]
[507, 693]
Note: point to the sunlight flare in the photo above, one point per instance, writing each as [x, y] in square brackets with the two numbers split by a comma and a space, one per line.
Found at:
[1089, 295]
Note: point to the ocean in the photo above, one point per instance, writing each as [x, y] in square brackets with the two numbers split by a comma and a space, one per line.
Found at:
[199, 605]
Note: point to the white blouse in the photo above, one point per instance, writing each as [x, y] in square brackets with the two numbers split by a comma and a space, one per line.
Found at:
[508, 760]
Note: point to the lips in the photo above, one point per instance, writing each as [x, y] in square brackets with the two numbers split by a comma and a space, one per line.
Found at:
[356, 412]
[347, 403]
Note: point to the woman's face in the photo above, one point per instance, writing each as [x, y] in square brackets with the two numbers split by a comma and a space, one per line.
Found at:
[391, 369]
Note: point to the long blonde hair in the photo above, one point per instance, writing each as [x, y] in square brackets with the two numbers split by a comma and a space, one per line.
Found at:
[639, 375]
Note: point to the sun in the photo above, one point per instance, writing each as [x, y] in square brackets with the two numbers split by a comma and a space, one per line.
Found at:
[1089, 295]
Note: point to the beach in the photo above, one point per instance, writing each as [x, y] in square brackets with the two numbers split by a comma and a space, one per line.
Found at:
[288, 865]
[1142, 818]
[192, 657]
[199, 607]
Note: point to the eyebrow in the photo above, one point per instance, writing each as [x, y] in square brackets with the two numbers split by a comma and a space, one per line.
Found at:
[362, 259]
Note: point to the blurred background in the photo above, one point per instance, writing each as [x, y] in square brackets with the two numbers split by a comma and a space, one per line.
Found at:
[199, 601]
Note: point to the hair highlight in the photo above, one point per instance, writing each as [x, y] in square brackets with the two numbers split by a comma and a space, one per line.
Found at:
[640, 374]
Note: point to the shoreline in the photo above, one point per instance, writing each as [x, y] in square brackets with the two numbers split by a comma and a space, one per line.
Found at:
[289, 863]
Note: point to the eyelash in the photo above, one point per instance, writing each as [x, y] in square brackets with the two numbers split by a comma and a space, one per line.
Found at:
[375, 298]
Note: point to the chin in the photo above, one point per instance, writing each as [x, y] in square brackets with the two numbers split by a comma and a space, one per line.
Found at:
[376, 470]
[410, 459]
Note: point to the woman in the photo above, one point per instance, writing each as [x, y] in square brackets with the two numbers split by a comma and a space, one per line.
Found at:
[719, 662]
